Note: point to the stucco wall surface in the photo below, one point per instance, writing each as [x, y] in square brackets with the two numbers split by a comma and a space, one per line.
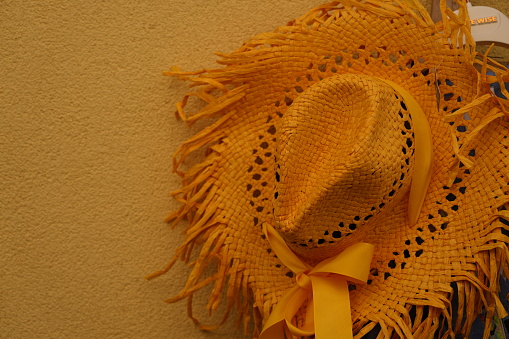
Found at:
[87, 130]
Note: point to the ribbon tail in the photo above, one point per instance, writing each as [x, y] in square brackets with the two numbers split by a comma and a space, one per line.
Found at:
[333, 317]
[279, 322]
[275, 330]
[292, 308]
[275, 327]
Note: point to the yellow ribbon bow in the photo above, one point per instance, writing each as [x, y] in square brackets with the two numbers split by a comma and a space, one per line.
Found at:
[325, 286]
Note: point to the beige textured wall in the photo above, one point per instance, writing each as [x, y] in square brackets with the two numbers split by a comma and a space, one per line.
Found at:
[86, 136]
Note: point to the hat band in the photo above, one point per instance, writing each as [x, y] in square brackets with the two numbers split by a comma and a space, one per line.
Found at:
[325, 286]
[423, 153]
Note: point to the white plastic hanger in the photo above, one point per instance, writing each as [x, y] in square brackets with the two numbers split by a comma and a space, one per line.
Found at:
[488, 24]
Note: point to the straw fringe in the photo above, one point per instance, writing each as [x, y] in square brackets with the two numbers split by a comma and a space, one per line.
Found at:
[201, 208]
[459, 31]
[473, 290]
[478, 287]
[497, 112]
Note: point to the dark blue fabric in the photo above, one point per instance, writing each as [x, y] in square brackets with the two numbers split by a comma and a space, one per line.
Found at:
[478, 326]
[496, 87]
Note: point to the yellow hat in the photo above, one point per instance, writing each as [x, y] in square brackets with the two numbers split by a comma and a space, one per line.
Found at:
[356, 177]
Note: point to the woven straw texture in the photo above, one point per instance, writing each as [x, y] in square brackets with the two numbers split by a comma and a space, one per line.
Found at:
[429, 279]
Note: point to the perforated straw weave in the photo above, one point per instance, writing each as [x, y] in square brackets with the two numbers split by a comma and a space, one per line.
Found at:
[427, 280]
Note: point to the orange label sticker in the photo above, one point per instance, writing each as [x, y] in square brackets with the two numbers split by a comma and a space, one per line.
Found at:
[486, 20]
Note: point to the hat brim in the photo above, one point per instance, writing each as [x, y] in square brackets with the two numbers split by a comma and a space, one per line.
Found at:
[458, 244]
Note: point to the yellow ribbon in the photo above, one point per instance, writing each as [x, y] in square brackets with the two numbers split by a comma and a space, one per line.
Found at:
[423, 153]
[325, 286]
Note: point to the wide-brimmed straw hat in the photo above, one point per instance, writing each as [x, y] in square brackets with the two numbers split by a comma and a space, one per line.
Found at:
[355, 180]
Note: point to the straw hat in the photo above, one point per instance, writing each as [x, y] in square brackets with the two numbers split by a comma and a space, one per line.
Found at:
[357, 171]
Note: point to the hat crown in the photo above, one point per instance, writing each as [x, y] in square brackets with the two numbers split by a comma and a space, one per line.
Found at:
[344, 153]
